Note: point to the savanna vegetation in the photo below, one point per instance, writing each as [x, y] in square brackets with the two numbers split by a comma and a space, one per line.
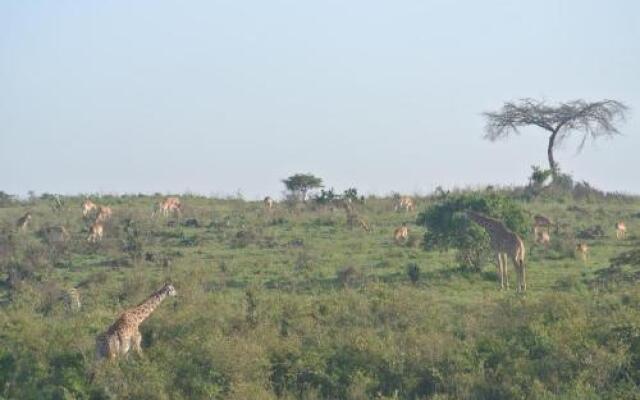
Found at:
[295, 303]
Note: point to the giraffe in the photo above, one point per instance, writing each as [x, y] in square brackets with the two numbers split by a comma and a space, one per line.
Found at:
[124, 334]
[401, 233]
[583, 249]
[621, 230]
[268, 203]
[505, 244]
[23, 221]
[540, 222]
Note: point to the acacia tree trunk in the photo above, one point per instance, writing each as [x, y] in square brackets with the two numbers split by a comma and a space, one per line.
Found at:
[552, 162]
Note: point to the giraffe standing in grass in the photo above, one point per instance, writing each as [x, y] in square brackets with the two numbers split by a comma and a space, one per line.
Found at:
[124, 333]
[505, 244]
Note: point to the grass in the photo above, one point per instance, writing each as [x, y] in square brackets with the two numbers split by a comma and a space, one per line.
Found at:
[294, 304]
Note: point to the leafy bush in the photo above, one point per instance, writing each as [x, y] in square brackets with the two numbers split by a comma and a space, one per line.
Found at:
[349, 276]
[413, 272]
[448, 227]
[539, 176]
[6, 200]
[352, 194]
[325, 196]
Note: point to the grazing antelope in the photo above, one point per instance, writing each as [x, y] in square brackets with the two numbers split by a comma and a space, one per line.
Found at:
[401, 233]
[543, 238]
[23, 221]
[88, 206]
[268, 203]
[95, 232]
[583, 249]
[540, 222]
[169, 204]
[621, 230]
[364, 225]
[104, 213]
[55, 234]
[71, 298]
[405, 202]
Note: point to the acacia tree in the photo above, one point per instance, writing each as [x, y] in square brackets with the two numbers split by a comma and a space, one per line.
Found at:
[300, 184]
[591, 119]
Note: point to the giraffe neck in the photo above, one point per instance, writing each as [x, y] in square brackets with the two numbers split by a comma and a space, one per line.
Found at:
[144, 309]
[490, 225]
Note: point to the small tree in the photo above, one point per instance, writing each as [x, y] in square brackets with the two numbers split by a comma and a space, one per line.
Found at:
[593, 119]
[300, 184]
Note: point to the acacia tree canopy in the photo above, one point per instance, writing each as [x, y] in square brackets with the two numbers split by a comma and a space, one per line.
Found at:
[592, 119]
[301, 184]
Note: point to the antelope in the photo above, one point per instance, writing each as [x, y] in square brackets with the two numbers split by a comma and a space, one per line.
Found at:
[543, 238]
[104, 213]
[55, 234]
[401, 233]
[583, 249]
[540, 223]
[88, 206]
[167, 205]
[95, 232]
[268, 203]
[621, 230]
[23, 221]
[405, 202]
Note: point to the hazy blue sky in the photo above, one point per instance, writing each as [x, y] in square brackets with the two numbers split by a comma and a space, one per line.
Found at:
[219, 96]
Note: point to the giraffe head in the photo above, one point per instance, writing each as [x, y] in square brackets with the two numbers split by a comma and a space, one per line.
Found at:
[169, 290]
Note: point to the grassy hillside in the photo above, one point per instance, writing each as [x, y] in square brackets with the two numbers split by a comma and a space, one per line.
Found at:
[293, 303]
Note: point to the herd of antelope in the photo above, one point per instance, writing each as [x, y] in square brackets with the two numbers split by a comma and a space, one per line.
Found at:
[98, 215]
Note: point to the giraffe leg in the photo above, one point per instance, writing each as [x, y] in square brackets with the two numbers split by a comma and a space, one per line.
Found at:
[499, 270]
[519, 265]
[125, 345]
[137, 339]
[506, 269]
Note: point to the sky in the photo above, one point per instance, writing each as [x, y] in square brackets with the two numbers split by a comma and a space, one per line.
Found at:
[227, 97]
